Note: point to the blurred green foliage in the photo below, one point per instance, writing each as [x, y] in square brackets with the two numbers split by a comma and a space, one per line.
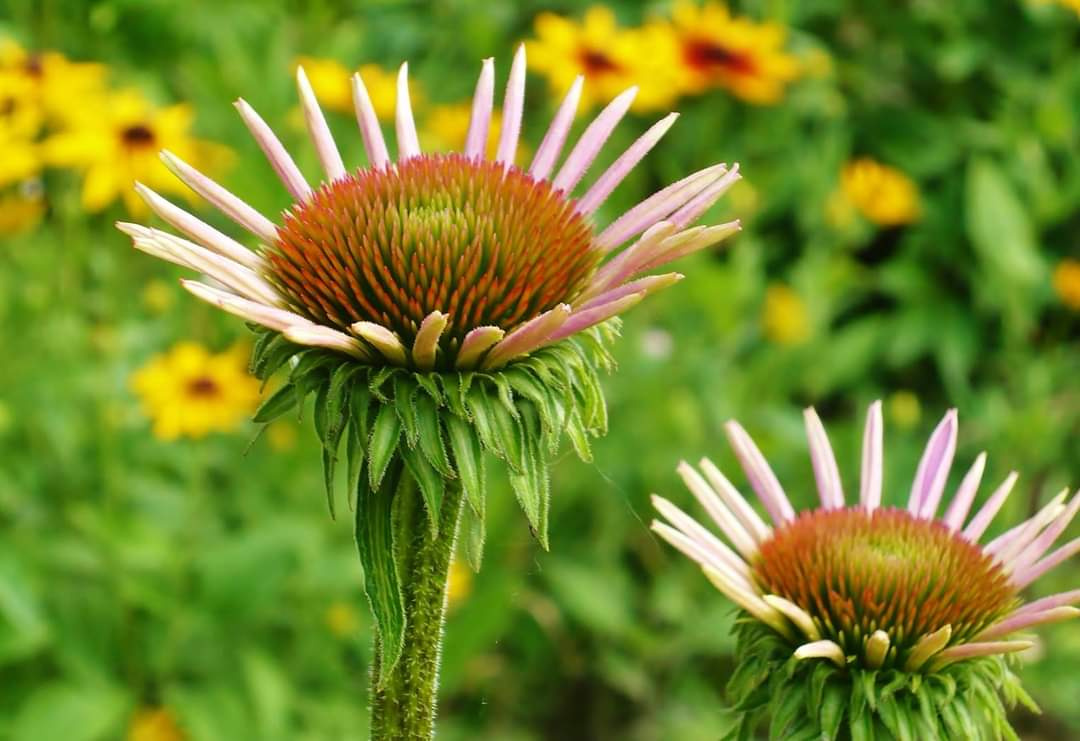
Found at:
[198, 575]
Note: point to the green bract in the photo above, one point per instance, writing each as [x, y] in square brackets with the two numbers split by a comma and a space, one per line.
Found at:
[392, 426]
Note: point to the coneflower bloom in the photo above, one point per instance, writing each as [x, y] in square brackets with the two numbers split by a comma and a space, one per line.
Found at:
[876, 595]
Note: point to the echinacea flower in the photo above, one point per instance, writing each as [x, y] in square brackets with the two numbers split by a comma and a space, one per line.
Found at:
[894, 618]
[191, 392]
[883, 194]
[440, 307]
[718, 50]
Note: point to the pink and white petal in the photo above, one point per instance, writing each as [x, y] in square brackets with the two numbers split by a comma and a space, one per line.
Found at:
[797, 615]
[426, 343]
[527, 337]
[628, 262]
[483, 103]
[736, 502]
[657, 207]
[707, 237]
[513, 106]
[721, 515]
[933, 470]
[870, 479]
[705, 558]
[987, 512]
[405, 125]
[325, 147]
[582, 319]
[198, 230]
[382, 339]
[1008, 545]
[275, 152]
[268, 316]
[645, 286]
[592, 141]
[1030, 574]
[704, 200]
[477, 342]
[975, 650]
[370, 130]
[761, 477]
[1040, 545]
[692, 529]
[748, 600]
[315, 335]
[965, 495]
[826, 472]
[1030, 619]
[551, 145]
[822, 650]
[1048, 603]
[620, 168]
[229, 204]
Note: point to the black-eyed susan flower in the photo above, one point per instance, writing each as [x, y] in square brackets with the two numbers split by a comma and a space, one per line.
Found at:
[442, 308]
[115, 143]
[1066, 281]
[861, 619]
[52, 79]
[718, 50]
[191, 392]
[608, 57]
[883, 194]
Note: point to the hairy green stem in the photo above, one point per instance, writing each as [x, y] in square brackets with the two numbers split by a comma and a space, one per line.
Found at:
[403, 708]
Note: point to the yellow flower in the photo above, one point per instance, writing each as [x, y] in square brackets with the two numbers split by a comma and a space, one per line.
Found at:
[189, 392]
[20, 210]
[60, 86]
[330, 80]
[883, 194]
[1067, 282]
[341, 619]
[459, 585]
[445, 128]
[20, 121]
[611, 58]
[784, 318]
[904, 408]
[154, 724]
[716, 49]
[158, 296]
[116, 143]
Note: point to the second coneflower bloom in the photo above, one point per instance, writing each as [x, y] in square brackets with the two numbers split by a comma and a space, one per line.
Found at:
[862, 617]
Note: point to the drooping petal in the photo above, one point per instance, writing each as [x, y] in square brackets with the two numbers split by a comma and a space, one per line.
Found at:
[620, 168]
[986, 513]
[735, 501]
[513, 106]
[720, 514]
[404, 123]
[705, 540]
[268, 316]
[822, 650]
[625, 264]
[316, 335]
[527, 337]
[1048, 603]
[826, 472]
[480, 120]
[426, 342]
[325, 147]
[750, 602]
[761, 477]
[704, 200]
[551, 145]
[582, 319]
[795, 614]
[229, 204]
[927, 647]
[1006, 546]
[477, 342]
[872, 459]
[974, 650]
[275, 152]
[671, 249]
[701, 555]
[589, 145]
[374, 143]
[1028, 575]
[382, 339]
[965, 495]
[1029, 619]
[1040, 545]
[933, 470]
[644, 286]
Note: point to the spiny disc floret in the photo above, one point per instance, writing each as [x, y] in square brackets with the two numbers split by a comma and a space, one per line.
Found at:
[481, 242]
[855, 572]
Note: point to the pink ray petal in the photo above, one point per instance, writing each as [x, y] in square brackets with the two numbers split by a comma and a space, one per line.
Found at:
[761, 477]
[483, 102]
[926, 647]
[629, 261]
[405, 125]
[933, 469]
[230, 205]
[513, 105]
[620, 168]
[727, 522]
[527, 337]
[965, 495]
[1027, 620]
[749, 600]
[1040, 545]
[382, 339]
[268, 316]
[826, 472]
[1007, 545]
[589, 145]
[316, 335]
[701, 203]
[319, 130]
[986, 513]
[370, 130]
[1049, 603]
[698, 553]
[736, 502]
[477, 342]
[584, 318]
[275, 152]
[426, 343]
[551, 145]
[692, 529]
[644, 286]
[975, 650]
[872, 459]
[707, 237]
[1028, 575]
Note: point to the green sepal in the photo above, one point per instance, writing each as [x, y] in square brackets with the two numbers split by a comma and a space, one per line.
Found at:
[282, 400]
[430, 434]
[430, 482]
[406, 411]
[472, 537]
[383, 445]
[469, 459]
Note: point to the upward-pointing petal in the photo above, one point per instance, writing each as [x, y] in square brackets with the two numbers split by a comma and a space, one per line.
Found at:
[761, 477]
[374, 144]
[513, 105]
[872, 464]
[319, 130]
[275, 152]
[933, 469]
[552, 144]
[588, 147]
[480, 120]
[407, 140]
[823, 459]
[622, 167]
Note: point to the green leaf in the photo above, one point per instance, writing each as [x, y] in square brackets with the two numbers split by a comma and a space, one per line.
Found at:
[431, 484]
[510, 435]
[385, 434]
[429, 426]
[579, 438]
[895, 717]
[530, 487]
[786, 711]
[833, 704]
[469, 459]
[999, 227]
[375, 544]
[71, 712]
[472, 537]
[427, 382]
[271, 352]
[403, 403]
[279, 402]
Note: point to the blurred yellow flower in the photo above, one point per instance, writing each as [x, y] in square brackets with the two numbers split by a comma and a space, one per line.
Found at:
[612, 59]
[883, 194]
[445, 127]
[459, 585]
[342, 620]
[20, 210]
[784, 318]
[116, 143]
[154, 724]
[281, 434]
[330, 79]
[158, 296]
[1067, 282]
[904, 408]
[190, 392]
[20, 121]
[718, 50]
[60, 87]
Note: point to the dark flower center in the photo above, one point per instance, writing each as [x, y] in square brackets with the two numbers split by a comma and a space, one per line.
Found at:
[711, 57]
[203, 387]
[597, 63]
[483, 244]
[138, 136]
[33, 66]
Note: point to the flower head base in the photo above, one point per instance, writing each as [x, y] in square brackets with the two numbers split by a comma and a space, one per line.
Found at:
[874, 602]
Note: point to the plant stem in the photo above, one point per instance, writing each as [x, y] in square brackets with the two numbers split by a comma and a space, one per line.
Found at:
[403, 708]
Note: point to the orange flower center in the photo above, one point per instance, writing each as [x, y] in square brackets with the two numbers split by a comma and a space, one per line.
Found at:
[710, 57]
